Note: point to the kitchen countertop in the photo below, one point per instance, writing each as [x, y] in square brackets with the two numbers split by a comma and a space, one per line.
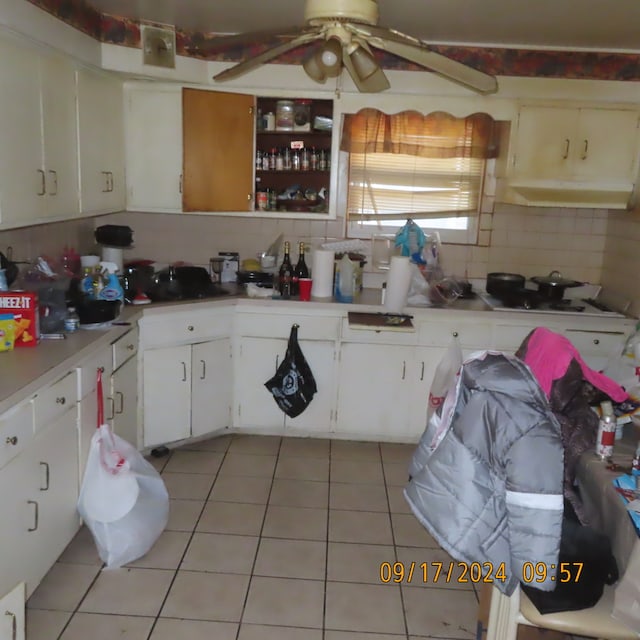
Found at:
[25, 370]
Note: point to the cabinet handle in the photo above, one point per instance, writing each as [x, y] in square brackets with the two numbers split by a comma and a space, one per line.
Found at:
[61, 400]
[106, 181]
[43, 183]
[13, 440]
[184, 372]
[54, 177]
[585, 150]
[404, 368]
[120, 396]
[180, 184]
[112, 404]
[35, 515]
[204, 370]
[14, 624]
[596, 341]
[567, 144]
[190, 327]
[110, 181]
[422, 371]
[249, 197]
[46, 476]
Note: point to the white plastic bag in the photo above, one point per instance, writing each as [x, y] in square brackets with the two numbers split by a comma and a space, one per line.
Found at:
[123, 500]
[444, 377]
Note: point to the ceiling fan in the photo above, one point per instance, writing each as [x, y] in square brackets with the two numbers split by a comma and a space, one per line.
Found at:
[346, 31]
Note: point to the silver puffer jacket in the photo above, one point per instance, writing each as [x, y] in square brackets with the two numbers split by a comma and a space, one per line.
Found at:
[486, 477]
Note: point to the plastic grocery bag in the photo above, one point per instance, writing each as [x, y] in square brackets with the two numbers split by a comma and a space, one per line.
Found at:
[444, 377]
[123, 500]
[293, 385]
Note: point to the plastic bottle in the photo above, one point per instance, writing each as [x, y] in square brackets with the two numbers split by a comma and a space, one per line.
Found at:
[71, 321]
[635, 463]
[606, 431]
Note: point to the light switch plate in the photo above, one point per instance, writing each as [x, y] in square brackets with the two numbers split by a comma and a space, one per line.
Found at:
[158, 47]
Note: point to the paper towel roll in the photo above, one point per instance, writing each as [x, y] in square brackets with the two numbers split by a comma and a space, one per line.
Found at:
[115, 255]
[398, 283]
[322, 273]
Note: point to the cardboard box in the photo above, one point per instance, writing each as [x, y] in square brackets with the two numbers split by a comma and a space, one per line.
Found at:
[524, 632]
[24, 307]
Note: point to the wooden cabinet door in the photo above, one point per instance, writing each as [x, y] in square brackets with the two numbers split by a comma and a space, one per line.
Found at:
[154, 130]
[211, 386]
[167, 395]
[218, 139]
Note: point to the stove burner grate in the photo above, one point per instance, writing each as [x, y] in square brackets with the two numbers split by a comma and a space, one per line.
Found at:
[598, 305]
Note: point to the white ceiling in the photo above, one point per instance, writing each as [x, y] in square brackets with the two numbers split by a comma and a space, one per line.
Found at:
[599, 25]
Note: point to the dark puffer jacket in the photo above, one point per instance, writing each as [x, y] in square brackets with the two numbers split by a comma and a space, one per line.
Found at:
[486, 478]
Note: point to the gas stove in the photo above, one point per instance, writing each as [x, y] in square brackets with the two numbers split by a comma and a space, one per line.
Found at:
[586, 306]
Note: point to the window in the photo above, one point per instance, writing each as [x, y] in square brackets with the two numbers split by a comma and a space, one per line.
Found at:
[427, 168]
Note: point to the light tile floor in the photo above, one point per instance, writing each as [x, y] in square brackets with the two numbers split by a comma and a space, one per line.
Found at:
[268, 538]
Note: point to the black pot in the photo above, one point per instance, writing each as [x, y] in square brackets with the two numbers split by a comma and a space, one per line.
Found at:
[503, 284]
[114, 235]
[97, 311]
[522, 298]
[553, 286]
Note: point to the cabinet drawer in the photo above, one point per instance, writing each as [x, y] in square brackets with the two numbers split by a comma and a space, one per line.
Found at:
[279, 326]
[439, 334]
[184, 326]
[125, 347]
[509, 337]
[16, 430]
[601, 343]
[379, 337]
[54, 400]
[89, 371]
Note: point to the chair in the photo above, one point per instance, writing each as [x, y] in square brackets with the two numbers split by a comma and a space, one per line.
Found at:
[507, 612]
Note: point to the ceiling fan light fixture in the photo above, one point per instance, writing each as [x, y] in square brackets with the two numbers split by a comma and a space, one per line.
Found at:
[314, 68]
[363, 62]
[331, 57]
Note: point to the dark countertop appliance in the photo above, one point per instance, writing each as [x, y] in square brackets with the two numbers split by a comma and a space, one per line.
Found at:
[183, 283]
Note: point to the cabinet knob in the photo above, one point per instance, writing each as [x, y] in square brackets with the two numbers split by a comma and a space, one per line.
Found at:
[13, 440]
[596, 341]
[190, 327]
[454, 334]
[61, 400]
[131, 347]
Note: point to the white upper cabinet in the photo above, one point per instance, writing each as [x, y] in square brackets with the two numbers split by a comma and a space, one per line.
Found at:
[577, 156]
[38, 155]
[101, 142]
[154, 148]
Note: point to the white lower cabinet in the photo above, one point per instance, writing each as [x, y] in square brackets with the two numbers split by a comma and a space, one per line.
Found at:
[39, 488]
[12, 612]
[123, 397]
[187, 391]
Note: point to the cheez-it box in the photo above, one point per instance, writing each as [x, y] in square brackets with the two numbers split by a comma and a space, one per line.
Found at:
[24, 307]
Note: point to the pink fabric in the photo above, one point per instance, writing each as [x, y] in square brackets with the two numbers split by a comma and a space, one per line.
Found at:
[549, 355]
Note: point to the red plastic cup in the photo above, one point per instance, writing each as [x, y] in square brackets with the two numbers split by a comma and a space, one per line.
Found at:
[304, 285]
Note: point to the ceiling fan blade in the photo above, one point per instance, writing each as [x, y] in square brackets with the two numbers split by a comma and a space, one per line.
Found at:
[373, 83]
[221, 44]
[265, 56]
[416, 51]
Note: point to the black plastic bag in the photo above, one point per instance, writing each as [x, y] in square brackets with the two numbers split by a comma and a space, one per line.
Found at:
[581, 548]
[293, 384]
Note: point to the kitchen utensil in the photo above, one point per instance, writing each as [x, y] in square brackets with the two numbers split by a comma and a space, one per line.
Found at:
[552, 287]
[500, 283]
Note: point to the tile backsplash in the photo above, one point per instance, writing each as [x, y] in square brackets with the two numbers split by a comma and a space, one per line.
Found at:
[593, 245]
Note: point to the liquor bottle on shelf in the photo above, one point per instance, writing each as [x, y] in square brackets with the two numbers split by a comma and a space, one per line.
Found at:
[300, 271]
[287, 159]
[285, 273]
[279, 160]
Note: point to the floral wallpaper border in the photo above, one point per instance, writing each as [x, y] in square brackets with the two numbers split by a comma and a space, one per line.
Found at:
[496, 61]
